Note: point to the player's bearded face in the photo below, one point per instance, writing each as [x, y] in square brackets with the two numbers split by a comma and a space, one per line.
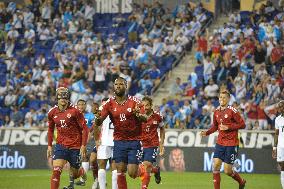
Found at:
[223, 99]
[119, 88]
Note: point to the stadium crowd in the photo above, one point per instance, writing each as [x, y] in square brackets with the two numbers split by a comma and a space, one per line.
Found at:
[246, 56]
[48, 44]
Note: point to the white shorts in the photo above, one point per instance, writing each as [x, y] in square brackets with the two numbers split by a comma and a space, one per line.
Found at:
[104, 152]
[280, 154]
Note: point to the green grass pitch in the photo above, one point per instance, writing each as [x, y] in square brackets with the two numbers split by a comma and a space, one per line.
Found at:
[39, 179]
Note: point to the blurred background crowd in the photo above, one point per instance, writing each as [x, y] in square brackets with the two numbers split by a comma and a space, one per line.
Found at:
[52, 43]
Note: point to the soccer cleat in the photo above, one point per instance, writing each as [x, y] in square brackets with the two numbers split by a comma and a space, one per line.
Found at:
[84, 177]
[68, 187]
[158, 176]
[243, 184]
[80, 183]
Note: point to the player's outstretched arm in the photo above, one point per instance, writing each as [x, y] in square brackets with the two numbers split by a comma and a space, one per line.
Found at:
[212, 129]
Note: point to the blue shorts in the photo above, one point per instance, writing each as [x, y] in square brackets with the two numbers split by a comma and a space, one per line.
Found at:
[128, 152]
[91, 147]
[150, 154]
[94, 149]
[227, 154]
[71, 155]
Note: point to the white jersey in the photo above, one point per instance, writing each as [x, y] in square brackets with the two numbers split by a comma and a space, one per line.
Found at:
[279, 124]
[107, 132]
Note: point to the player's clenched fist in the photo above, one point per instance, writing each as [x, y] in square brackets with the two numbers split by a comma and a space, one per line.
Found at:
[49, 152]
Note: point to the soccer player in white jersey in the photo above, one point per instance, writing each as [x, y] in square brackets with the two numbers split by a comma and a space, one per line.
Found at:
[278, 149]
[104, 142]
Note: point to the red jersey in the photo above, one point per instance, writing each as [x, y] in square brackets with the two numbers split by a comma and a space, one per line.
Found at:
[260, 113]
[230, 117]
[276, 54]
[216, 48]
[202, 45]
[72, 131]
[126, 125]
[150, 136]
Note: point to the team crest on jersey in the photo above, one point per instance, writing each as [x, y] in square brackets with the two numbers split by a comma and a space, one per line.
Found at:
[226, 116]
[68, 115]
[155, 122]
[129, 109]
[114, 110]
[55, 117]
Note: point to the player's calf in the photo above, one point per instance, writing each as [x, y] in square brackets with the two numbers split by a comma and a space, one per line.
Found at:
[55, 178]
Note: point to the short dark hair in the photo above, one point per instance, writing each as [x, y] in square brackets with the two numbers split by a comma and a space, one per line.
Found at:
[81, 100]
[125, 82]
[105, 99]
[147, 98]
[225, 92]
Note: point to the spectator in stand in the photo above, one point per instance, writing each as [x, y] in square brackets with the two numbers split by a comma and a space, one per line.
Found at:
[261, 116]
[30, 119]
[189, 90]
[211, 90]
[17, 118]
[259, 54]
[273, 90]
[205, 119]
[251, 111]
[176, 88]
[208, 69]
[145, 84]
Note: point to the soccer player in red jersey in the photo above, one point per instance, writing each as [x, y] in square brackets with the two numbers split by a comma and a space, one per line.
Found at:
[72, 134]
[227, 120]
[150, 142]
[123, 111]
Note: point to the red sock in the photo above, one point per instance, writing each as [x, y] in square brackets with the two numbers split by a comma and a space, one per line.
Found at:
[146, 180]
[154, 169]
[55, 178]
[94, 168]
[216, 179]
[121, 181]
[237, 177]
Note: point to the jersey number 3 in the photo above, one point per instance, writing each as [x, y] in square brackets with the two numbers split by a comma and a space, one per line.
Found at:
[122, 117]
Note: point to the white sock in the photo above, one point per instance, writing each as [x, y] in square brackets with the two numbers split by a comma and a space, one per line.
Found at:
[282, 179]
[102, 178]
[86, 166]
[114, 179]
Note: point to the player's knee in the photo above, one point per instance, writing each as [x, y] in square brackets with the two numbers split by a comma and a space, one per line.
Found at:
[216, 167]
[102, 164]
[132, 174]
[56, 172]
[228, 172]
